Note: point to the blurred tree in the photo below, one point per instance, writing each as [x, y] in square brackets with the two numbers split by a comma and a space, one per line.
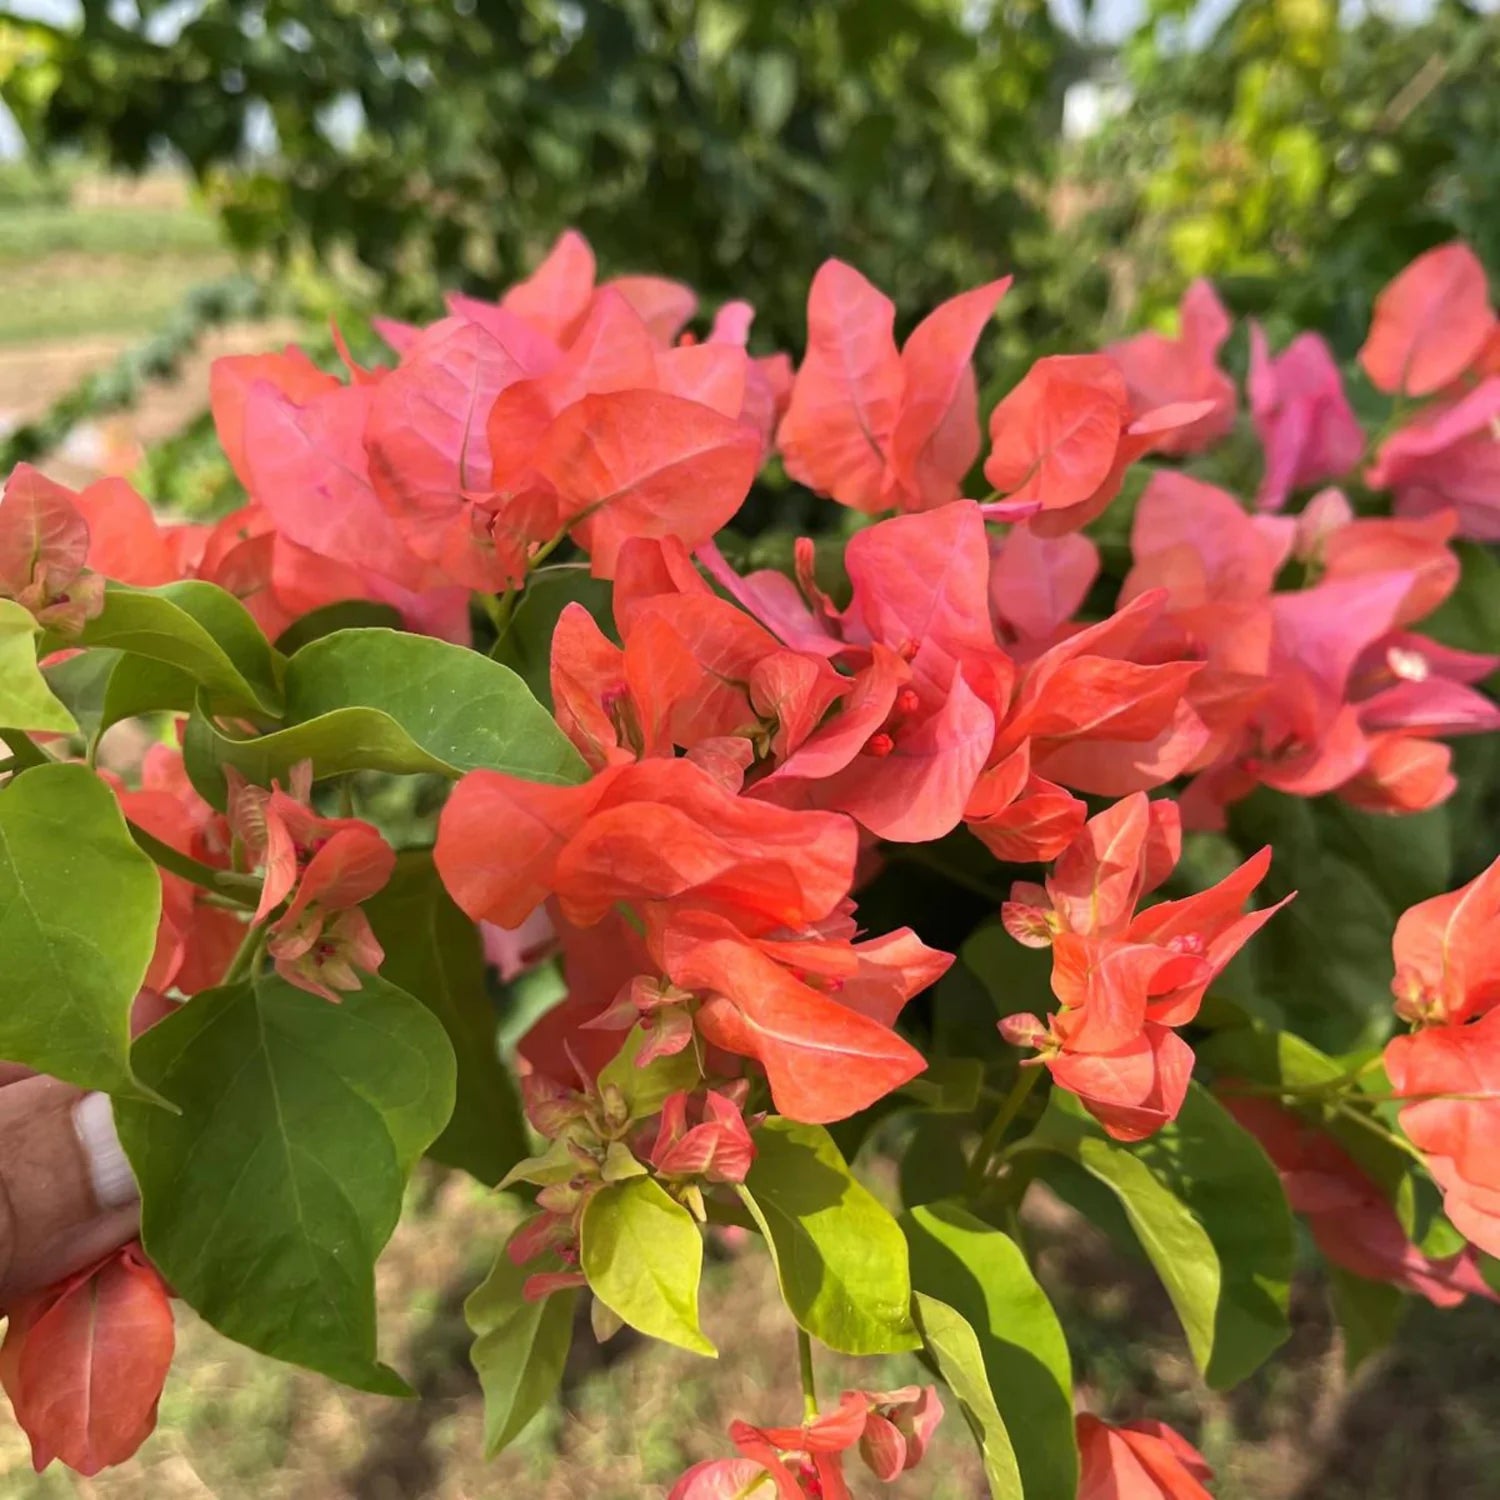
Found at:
[1298, 160]
[731, 143]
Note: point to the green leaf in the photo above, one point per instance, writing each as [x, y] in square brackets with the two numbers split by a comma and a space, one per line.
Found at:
[1208, 1209]
[1470, 617]
[81, 682]
[1326, 960]
[347, 614]
[139, 685]
[1409, 858]
[950, 1086]
[1015, 977]
[645, 1090]
[982, 1274]
[519, 1350]
[643, 1256]
[201, 630]
[932, 1163]
[382, 701]
[26, 700]
[840, 1257]
[79, 904]
[953, 1348]
[526, 647]
[267, 1201]
[1368, 1312]
[434, 953]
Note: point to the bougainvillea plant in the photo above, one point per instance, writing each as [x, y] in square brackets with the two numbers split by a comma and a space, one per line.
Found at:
[959, 837]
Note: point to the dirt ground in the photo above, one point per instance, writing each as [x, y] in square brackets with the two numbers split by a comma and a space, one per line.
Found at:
[1421, 1422]
[34, 376]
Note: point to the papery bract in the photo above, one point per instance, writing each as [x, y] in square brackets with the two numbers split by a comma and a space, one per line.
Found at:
[1304, 420]
[1430, 324]
[1138, 1461]
[84, 1361]
[1160, 371]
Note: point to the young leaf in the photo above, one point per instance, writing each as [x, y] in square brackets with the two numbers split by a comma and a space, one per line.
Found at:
[643, 1256]
[79, 904]
[1208, 1209]
[267, 1200]
[26, 699]
[645, 1090]
[982, 1274]
[519, 1350]
[198, 628]
[434, 953]
[953, 1348]
[380, 700]
[840, 1257]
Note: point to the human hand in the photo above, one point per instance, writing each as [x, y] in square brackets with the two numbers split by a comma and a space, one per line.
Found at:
[67, 1196]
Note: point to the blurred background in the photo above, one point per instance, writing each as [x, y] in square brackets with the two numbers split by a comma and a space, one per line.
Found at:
[185, 178]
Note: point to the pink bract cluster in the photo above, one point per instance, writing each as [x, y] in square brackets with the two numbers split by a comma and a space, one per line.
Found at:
[752, 738]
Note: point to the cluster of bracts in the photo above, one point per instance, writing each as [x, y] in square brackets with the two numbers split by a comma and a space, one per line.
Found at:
[755, 746]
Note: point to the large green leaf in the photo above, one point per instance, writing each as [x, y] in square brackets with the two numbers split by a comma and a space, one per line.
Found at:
[79, 905]
[26, 699]
[267, 1200]
[199, 629]
[433, 952]
[840, 1257]
[1208, 1209]
[519, 1350]
[982, 1274]
[1409, 858]
[953, 1348]
[643, 1255]
[384, 701]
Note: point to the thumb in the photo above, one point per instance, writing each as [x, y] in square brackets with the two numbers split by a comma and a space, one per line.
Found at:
[66, 1193]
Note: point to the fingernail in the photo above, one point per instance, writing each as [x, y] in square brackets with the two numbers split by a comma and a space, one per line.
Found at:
[109, 1171]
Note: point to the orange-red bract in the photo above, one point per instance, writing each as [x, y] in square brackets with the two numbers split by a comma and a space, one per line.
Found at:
[1452, 1075]
[1447, 953]
[874, 428]
[84, 1362]
[1431, 323]
[1138, 1461]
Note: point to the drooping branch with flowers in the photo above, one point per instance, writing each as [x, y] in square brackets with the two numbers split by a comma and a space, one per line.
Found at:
[482, 677]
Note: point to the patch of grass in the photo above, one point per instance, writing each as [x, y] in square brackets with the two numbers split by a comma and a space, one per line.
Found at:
[35, 230]
[70, 271]
[68, 295]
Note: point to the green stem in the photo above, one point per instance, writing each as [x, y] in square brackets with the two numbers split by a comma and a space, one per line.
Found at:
[217, 881]
[809, 1387]
[989, 1142]
[1368, 1122]
[243, 964]
[500, 611]
[25, 752]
